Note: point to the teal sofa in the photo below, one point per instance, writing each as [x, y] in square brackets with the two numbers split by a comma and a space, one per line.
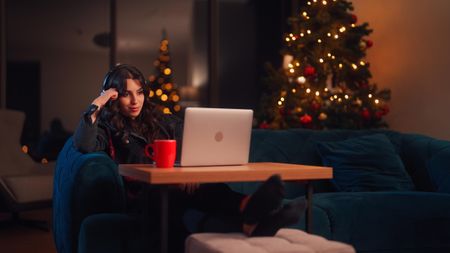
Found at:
[89, 202]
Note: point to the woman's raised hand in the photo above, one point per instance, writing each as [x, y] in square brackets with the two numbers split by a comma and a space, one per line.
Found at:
[105, 96]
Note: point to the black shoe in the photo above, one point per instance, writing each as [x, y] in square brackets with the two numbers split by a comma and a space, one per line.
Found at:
[288, 215]
[266, 200]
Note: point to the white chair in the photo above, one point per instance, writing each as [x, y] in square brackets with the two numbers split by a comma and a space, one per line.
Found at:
[24, 184]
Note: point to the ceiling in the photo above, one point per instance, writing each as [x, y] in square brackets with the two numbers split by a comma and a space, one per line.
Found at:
[71, 25]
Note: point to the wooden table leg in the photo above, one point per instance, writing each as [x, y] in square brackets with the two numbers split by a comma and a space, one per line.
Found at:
[164, 218]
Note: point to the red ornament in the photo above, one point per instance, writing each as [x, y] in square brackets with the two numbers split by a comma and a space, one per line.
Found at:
[264, 125]
[363, 85]
[305, 119]
[315, 106]
[309, 71]
[369, 43]
[385, 109]
[354, 18]
[365, 113]
[379, 114]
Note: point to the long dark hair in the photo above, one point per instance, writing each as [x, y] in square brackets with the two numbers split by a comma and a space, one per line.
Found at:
[147, 123]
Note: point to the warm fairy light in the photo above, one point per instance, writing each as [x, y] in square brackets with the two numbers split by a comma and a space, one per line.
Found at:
[324, 2]
[321, 60]
[377, 101]
[291, 70]
[308, 90]
[152, 93]
[297, 64]
[159, 92]
[329, 34]
[342, 29]
[353, 25]
[166, 111]
[335, 96]
[305, 14]
[309, 3]
[370, 95]
[362, 63]
[301, 79]
[177, 108]
[354, 66]
[164, 97]
[307, 17]
[315, 1]
[291, 34]
[25, 149]
[336, 36]
[169, 86]
[319, 41]
[280, 103]
[294, 38]
[308, 31]
[329, 54]
[326, 89]
[331, 98]
[317, 93]
[175, 98]
[167, 71]
[282, 99]
[287, 39]
[346, 96]
[333, 57]
[290, 65]
[294, 90]
[340, 100]
[340, 65]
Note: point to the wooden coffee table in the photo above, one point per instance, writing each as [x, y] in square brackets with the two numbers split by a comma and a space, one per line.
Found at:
[215, 174]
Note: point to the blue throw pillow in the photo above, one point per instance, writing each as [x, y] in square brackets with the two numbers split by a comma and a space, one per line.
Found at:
[366, 163]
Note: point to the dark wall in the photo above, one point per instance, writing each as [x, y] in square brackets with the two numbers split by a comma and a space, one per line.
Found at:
[23, 90]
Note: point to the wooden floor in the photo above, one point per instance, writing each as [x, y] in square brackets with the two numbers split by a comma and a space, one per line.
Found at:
[15, 238]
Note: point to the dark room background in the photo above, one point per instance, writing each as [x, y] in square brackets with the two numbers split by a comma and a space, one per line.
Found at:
[55, 69]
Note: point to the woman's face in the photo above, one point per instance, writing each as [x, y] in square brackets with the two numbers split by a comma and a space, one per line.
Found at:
[132, 100]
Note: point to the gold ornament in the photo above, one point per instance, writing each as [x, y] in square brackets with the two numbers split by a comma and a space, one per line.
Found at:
[323, 116]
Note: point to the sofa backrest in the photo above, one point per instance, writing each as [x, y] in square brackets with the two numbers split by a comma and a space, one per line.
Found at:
[299, 146]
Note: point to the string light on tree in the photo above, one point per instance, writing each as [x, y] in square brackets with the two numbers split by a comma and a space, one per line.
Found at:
[161, 85]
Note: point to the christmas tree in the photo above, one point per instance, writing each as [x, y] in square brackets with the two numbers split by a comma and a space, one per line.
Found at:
[324, 81]
[163, 91]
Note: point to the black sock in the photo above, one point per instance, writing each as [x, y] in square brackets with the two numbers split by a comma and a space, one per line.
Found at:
[266, 200]
[286, 216]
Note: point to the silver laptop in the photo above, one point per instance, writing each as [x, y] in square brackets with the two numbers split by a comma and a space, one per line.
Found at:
[213, 136]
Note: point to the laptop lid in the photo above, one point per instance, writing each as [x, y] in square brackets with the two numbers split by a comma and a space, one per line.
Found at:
[215, 136]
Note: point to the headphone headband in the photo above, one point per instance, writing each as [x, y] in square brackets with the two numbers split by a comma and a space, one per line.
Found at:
[106, 81]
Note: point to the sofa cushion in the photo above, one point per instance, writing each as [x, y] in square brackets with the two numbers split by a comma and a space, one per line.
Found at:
[388, 222]
[439, 171]
[366, 163]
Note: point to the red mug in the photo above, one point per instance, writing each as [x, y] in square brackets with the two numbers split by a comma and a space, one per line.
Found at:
[164, 152]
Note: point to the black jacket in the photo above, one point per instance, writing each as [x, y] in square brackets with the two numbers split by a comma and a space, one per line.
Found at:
[123, 148]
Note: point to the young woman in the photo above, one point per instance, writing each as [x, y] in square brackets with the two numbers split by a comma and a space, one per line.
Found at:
[122, 121]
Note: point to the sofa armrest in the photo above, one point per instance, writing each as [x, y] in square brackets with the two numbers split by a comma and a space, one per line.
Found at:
[84, 184]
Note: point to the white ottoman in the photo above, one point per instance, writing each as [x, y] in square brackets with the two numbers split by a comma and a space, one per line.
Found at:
[285, 241]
